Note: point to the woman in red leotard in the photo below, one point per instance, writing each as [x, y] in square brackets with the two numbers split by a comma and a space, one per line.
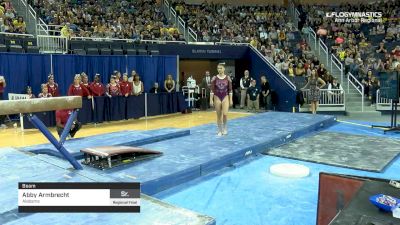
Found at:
[113, 88]
[221, 98]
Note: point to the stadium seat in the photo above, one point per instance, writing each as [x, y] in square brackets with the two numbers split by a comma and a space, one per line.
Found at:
[92, 51]
[116, 45]
[30, 45]
[79, 51]
[127, 46]
[3, 48]
[2, 39]
[16, 48]
[152, 47]
[140, 47]
[154, 52]
[104, 44]
[117, 51]
[90, 44]
[76, 44]
[131, 51]
[142, 52]
[105, 51]
[32, 49]
[12, 41]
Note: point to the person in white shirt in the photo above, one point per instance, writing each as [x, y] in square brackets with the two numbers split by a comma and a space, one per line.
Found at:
[335, 91]
[244, 84]
[206, 84]
[137, 86]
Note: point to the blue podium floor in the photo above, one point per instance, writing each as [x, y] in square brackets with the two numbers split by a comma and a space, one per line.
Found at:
[248, 194]
[186, 159]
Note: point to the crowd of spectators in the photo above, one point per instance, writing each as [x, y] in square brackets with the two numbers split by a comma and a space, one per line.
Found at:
[227, 23]
[365, 49]
[266, 28]
[123, 19]
[9, 20]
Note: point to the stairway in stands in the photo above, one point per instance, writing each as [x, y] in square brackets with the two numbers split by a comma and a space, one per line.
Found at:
[22, 10]
[353, 97]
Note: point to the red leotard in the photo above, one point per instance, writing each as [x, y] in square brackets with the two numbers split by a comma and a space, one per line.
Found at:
[113, 90]
[221, 87]
[53, 90]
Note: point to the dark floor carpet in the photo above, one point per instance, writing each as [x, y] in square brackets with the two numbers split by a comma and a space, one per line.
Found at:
[344, 150]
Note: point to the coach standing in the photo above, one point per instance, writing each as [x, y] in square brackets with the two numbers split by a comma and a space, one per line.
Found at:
[244, 85]
[3, 85]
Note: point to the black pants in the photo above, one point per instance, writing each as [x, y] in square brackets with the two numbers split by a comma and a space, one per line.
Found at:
[2, 117]
[73, 131]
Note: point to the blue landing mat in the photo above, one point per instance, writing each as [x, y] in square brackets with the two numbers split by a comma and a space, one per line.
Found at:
[202, 152]
[20, 166]
[127, 138]
[269, 199]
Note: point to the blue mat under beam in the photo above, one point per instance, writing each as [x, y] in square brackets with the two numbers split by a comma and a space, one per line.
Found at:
[127, 138]
[202, 152]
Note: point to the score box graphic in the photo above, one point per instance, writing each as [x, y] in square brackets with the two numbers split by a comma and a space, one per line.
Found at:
[78, 197]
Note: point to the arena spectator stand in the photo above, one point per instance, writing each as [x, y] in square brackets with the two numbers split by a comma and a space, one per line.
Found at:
[13, 32]
[362, 47]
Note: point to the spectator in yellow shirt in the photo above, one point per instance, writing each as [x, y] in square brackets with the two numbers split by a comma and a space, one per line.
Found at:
[172, 30]
[2, 11]
[65, 31]
[253, 42]
[179, 9]
[19, 25]
[342, 55]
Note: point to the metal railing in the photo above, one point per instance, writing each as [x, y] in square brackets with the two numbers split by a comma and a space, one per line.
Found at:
[100, 39]
[339, 65]
[165, 7]
[325, 51]
[232, 43]
[330, 100]
[313, 36]
[125, 40]
[52, 44]
[172, 15]
[294, 13]
[17, 34]
[351, 79]
[42, 28]
[181, 27]
[383, 104]
[162, 42]
[192, 35]
[284, 78]
[179, 22]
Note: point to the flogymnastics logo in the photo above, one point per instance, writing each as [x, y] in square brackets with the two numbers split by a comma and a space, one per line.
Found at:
[356, 17]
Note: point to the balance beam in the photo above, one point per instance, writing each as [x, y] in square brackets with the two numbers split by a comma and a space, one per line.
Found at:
[30, 106]
[10, 107]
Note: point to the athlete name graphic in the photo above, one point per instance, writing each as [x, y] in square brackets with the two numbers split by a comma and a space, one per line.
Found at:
[79, 197]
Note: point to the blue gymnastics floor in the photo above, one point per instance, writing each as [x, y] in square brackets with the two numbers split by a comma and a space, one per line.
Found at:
[17, 166]
[247, 193]
[188, 157]
[185, 158]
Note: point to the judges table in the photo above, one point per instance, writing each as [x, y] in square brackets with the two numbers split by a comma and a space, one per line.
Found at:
[103, 108]
[344, 200]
